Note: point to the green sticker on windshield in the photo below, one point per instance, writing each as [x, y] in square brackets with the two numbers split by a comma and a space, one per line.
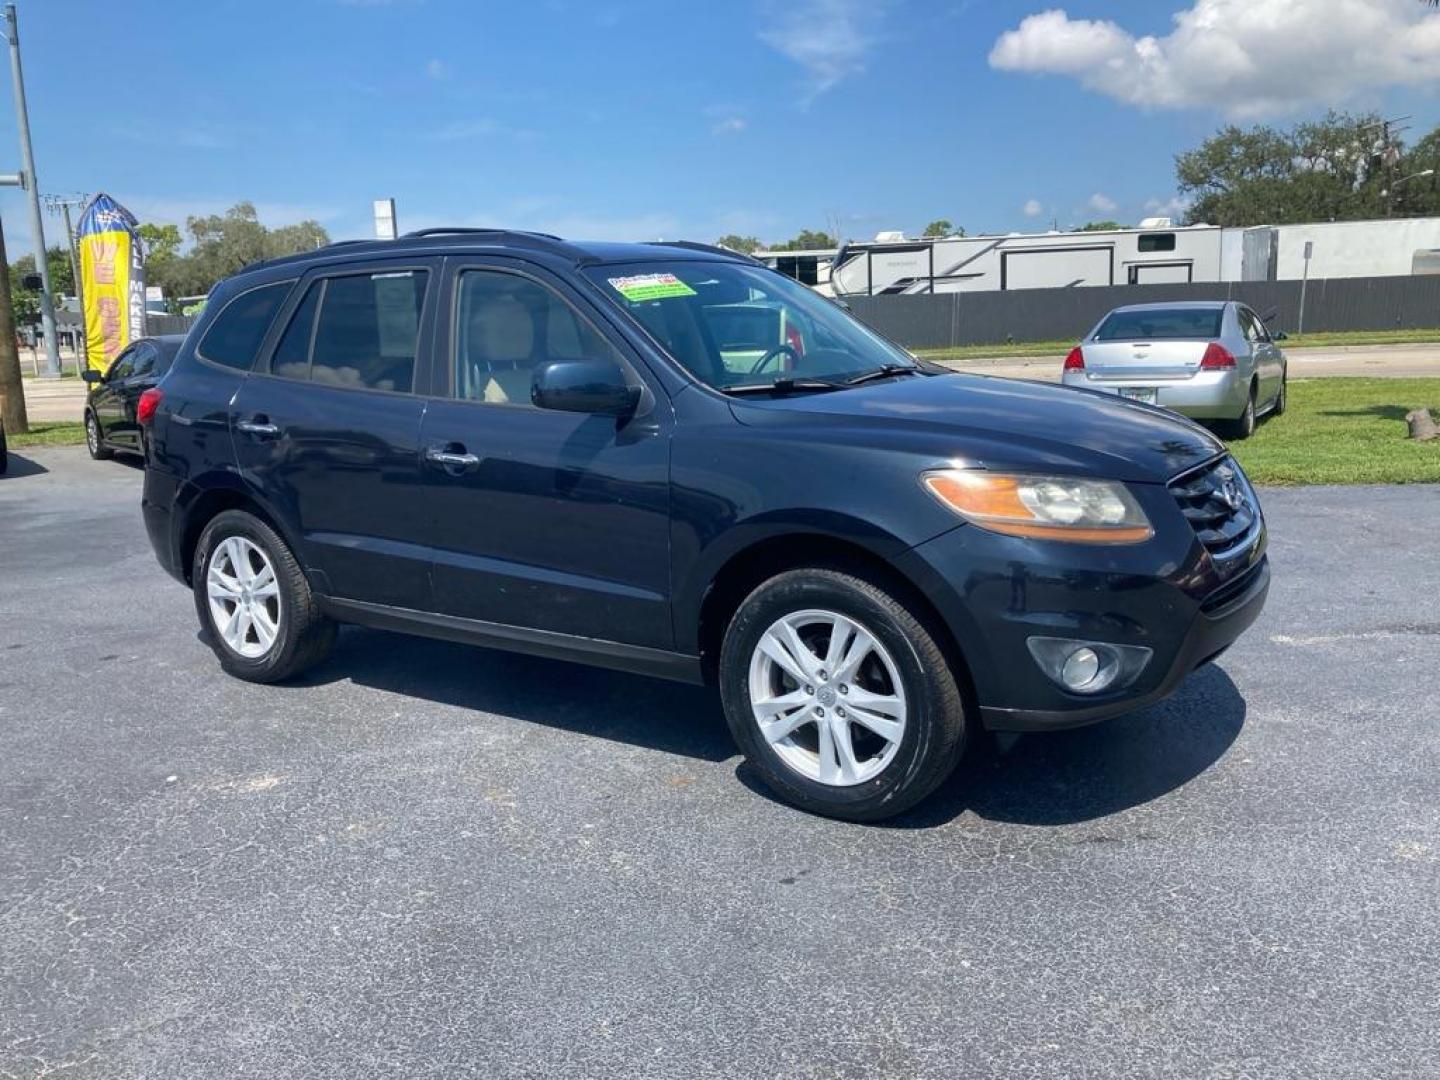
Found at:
[650, 287]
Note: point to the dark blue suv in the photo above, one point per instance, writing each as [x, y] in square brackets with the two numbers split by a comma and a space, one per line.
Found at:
[668, 459]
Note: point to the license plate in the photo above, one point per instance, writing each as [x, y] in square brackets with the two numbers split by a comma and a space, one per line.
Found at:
[1139, 393]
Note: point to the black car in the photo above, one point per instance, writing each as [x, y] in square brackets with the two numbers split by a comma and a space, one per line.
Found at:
[669, 459]
[110, 422]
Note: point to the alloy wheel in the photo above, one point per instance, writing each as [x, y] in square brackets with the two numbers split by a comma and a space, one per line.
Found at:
[827, 697]
[244, 597]
[92, 433]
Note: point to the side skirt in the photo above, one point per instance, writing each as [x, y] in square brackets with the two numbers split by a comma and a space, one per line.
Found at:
[657, 663]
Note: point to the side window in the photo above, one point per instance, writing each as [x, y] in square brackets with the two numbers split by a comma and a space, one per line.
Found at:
[235, 335]
[505, 326]
[144, 359]
[1248, 325]
[1157, 242]
[1261, 333]
[123, 366]
[291, 358]
[365, 333]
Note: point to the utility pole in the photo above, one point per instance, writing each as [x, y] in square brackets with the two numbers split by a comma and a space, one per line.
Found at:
[32, 187]
[62, 205]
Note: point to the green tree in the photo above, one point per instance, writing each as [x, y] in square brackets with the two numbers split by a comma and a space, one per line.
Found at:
[26, 302]
[747, 244]
[942, 227]
[1342, 167]
[807, 240]
[221, 244]
[1101, 226]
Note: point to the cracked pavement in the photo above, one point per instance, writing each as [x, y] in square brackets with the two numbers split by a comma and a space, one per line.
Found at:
[431, 860]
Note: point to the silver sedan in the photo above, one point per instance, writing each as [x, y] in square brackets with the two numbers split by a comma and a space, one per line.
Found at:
[1211, 360]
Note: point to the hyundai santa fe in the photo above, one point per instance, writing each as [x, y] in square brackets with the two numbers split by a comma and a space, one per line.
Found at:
[669, 459]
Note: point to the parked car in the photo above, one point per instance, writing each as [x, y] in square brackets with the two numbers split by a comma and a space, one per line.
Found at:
[516, 441]
[110, 422]
[1210, 360]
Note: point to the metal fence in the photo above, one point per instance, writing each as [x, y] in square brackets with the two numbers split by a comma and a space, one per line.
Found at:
[986, 318]
[167, 324]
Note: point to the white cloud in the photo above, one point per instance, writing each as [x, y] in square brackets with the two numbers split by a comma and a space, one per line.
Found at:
[1174, 207]
[1102, 203]
[1033, 208]
[437, 69]
[830, 39]
[731, 125]
[1246, 58]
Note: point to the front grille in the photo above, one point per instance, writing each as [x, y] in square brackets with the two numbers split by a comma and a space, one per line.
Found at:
[1219, 504]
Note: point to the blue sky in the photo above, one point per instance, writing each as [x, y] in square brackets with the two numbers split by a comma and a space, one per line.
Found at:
[634, 120]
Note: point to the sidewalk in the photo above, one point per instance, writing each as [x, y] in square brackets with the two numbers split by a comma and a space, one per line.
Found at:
[54, 399]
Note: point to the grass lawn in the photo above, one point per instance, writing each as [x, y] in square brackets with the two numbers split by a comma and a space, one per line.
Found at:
[1020, 350]
[1345, 431]
[48, 433]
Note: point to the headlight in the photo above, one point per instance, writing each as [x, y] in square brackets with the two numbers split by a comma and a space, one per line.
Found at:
[1045, 507]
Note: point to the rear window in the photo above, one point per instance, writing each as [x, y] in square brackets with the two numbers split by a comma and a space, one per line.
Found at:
[234, 337]
[1161, 324]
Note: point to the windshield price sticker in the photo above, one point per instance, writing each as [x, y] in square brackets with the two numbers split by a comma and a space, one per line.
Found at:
[650, 287]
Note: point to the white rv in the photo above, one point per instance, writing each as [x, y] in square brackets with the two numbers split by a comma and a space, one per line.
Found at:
[1156, 253]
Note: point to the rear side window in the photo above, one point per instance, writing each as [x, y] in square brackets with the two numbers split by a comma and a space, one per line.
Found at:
[357, 331]
[1163, 241]
[1161, 324]
[234, 337]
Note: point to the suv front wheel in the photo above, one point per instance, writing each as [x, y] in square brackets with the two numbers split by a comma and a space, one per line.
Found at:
[255, 605]
[839, 696]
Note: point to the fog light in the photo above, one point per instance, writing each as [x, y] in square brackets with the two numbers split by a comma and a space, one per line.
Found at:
[1088, 667]
[1081, 667]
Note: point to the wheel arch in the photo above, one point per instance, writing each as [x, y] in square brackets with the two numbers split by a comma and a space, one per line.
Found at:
[746, 569]
[208, 501]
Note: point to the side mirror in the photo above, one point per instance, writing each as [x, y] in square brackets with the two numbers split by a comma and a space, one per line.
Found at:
[90, 375]
[583, 386]
[1280, 335]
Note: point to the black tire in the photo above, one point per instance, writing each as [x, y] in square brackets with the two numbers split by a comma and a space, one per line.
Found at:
[305, 636]
[934, 735]
[93, 441]
[1282, 397]
[1244, 427]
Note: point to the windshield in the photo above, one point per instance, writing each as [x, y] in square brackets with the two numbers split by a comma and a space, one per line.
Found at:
[1161, 324]
[731, 324]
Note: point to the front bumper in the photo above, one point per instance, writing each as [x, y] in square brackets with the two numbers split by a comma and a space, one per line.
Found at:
[1168, 594]
[1206, 395]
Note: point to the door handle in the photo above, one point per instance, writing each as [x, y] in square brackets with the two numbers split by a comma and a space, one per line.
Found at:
[258, 426]
[451, 459]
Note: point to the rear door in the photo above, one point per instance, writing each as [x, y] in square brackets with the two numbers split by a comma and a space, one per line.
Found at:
[560, 521]
[327, 428]
[1151, 345]
[1265, 352]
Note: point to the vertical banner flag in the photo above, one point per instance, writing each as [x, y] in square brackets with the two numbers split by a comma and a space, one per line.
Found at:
[112, 279]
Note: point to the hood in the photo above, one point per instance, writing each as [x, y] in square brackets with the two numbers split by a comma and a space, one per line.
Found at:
[989, 422]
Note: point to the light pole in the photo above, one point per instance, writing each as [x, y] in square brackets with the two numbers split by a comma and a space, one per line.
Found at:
[32, 188]
[1388, 193]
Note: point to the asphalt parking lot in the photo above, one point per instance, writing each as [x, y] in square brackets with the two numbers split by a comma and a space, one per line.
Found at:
[430, 860]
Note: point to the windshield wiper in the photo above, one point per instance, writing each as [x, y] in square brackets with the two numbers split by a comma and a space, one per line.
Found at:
[784, 386]
[885, 372]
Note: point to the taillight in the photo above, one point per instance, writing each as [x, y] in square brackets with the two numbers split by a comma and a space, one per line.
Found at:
[1076, 360]
[1217, 357]
[149, 402]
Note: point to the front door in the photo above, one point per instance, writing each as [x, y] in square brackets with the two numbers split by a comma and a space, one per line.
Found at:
[541, 519]
[327, 428]
[107, 401]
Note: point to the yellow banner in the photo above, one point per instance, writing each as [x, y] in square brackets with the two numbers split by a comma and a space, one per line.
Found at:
[111, 280]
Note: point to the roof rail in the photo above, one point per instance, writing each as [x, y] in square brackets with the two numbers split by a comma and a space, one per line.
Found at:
[544, 241]
[713, 249]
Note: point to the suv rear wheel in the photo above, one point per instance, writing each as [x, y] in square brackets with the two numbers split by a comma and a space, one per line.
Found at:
[840, 697]
[254, 603]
